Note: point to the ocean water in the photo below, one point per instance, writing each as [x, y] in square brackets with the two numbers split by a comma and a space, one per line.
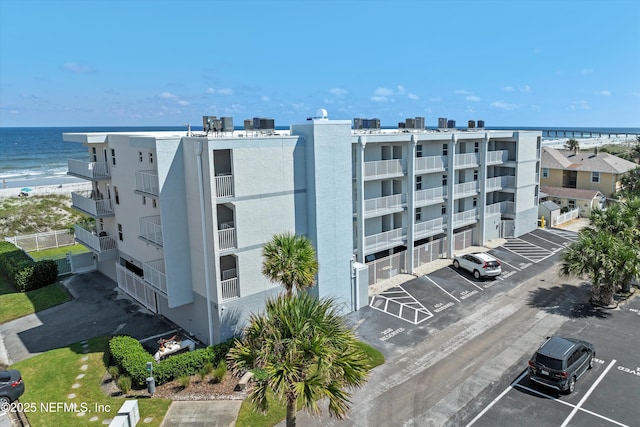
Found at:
[31, 156]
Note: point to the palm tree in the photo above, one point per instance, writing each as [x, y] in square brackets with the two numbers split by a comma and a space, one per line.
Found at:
[291, 261]
[630, 183]
[572, 144]
[305, 351]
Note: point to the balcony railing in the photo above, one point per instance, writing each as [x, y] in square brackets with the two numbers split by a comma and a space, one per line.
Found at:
[384, 168]
[384, 240]
[431, 164]
[224, 186]
[151, 229]
[154, 274]
[147, 182]
[89, 203]
[497, 157]
[230, 289]
[89, 170]
[430, 196]
[97, 243]
[466, 160]
[429, 228]
[465, 189]
[227, 236]
[463, 218]
[384, 204]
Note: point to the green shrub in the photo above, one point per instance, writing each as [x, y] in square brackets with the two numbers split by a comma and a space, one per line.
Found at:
[113, 371]
[206, 370]
[185, 381]
[220, 371]
[129, 355]
[124, 383]
[25, 273]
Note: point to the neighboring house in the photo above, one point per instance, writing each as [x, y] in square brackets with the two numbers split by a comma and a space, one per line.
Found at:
[181, 219]
[583, 170]
[572, 198]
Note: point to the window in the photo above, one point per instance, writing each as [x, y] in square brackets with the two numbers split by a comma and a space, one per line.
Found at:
[120, 234]
[95, 154]
[418, 214]
[443, 210]
[154, 203]
[150, 157]
[140, 156]
[445, 149]
[419, 150]
[545, 172]
[475, 175]
[476, 147]
[444, 180]
[113, 156]
[115, 191]
[571, 204]
[144, 200]
[418, 183]
[475, 202]
[595, 177]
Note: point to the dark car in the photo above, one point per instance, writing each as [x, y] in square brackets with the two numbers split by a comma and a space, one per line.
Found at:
[559, 362]
[11, 386]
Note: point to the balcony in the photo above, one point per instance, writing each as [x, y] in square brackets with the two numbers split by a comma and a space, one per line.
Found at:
[229, 284]
[384, 240]
[384, 205]
[227, 236]
[99, 244]
[94, 171]
[497, 157]
[147, 183]
[90, 203]
[151, 230]
[430, 196]
[461, 219]
[430, 164]
[429, 228]
[465, 189]
[466, 160]
[224, 186]
[384, 169]
[154, 274]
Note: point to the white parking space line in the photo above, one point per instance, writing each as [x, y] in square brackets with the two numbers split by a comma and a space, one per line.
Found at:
[587, 394]
[556, 249]
[429, 279]
[496, 400]
[462, 277]
[506, 263]
[406, 303]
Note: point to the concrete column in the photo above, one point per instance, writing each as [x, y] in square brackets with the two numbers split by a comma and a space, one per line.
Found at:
[482, 177]
[411, 210]
[451, 175]
[362, 142]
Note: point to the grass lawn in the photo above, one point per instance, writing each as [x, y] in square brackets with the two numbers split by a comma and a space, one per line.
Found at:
[58, 253]
[247, 417]
[17, 304]
[49, 380]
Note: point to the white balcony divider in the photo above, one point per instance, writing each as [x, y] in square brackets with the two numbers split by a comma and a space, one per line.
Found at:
[84, 201]
[432, 163]
[230, 289]
[498, 156]
[227, 238]
[493, 209]
[380, 204]
[466, 217]
[224, 186]
[154, 274]
[229, 274]
[465, 189]
[467, 160]
[89, 170]
[430, 227]
[151, 229]
[384, 239]
[430, 195]
[147, 182]
[383, 168]
[91, 240]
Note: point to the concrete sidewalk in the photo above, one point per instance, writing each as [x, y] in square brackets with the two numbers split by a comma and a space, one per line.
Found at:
[209, 413]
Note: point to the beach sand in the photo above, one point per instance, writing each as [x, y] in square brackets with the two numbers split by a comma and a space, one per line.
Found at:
[48, 189]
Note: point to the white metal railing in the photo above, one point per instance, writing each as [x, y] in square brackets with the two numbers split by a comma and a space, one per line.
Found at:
[430, 164]
[500, 182]
[381, 204]
[97, 243]
[467, 159]
[89, 170]
[229, 274]
[85, 201]
[493, 209]
[430, 196]
[40, 241]
[384, 239]
[498, 156]
[227, 238]
[567, 216]
[465, 189]
[137, 288]
[230, 289]
[382, 168]
[147, 182]
[154, 274]
[466, 217]
[151, 229]
[430, 227]
[224, 186]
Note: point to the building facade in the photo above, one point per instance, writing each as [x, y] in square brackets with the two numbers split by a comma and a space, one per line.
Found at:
[181, 218]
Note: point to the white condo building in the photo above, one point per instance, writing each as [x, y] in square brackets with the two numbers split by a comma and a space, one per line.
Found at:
[181, 218]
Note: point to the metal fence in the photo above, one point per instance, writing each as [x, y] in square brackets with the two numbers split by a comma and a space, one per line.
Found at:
[567, 216]
[386, 268]
[429, 252]
[41, 241]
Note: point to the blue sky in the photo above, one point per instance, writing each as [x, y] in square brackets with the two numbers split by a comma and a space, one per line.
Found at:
[510, 63]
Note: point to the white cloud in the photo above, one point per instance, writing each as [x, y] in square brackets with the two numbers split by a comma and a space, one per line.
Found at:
[210, 90]
[586, 71]
[436, 99]
[337, 91]
[400, 89]
[78, 68]
[383, 91]
[579, 105]
[602, 93]
[412, 96]
[508, 88]
[379, 99]
[225, 91]
[525, 89]
[463, 92]
[504, 105]
[265, 98]
[181, 102]
[473, 98]
[635, 93]
[167, 95]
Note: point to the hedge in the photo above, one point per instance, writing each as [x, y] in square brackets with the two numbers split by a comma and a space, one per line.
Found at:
[129, 355]
[24, 272]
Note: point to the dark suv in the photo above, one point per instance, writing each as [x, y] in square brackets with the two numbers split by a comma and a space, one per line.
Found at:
[11, 387]
[559, 362]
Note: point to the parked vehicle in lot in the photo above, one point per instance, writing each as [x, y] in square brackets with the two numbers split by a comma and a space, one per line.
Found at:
[479, 264]
[559, 362]
[11, 386]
